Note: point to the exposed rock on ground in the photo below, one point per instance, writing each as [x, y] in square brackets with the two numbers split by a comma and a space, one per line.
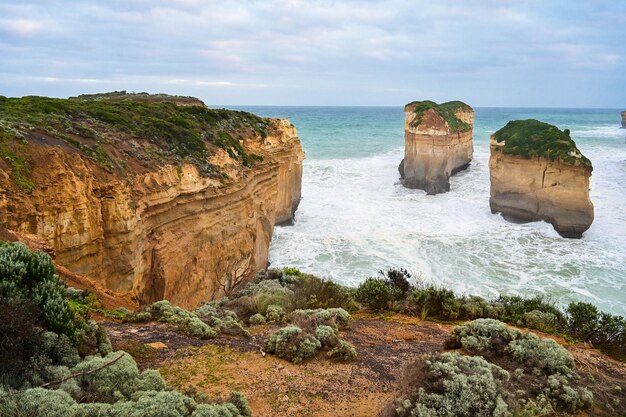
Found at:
[438, 144]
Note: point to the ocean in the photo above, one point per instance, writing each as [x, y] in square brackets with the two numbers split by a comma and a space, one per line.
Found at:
[355, 217]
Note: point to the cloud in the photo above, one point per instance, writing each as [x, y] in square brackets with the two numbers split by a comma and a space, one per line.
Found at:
[299, 51]
[23, 28]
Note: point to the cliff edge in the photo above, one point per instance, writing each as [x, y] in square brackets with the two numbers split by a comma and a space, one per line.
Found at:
[624, 120]
[161, 198]
[537, 173]
[438, 143]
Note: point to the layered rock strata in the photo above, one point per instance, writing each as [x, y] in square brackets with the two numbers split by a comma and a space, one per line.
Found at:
[154, 199]
[537, 173]
[438, 144]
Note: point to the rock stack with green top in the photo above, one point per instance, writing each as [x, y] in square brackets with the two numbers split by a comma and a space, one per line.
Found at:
[438, 143]
[538, 173]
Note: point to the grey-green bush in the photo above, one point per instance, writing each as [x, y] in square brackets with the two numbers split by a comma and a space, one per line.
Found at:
[326, 335]
[292, 343]
[337, 318]
[257, 319]
[226, 321]
[184, 321]
[459, 386]
[343, 351]
[488, 336]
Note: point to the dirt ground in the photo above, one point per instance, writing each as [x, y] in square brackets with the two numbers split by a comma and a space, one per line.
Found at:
[318, 387]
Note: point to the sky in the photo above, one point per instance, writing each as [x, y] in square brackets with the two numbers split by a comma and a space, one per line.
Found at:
[499, 53]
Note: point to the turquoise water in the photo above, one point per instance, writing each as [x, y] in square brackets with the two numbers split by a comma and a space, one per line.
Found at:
[356, 218]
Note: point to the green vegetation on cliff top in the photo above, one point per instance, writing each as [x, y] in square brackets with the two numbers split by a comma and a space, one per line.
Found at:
[140, 97]
[100, 124]
[446, 110]
[528, 138]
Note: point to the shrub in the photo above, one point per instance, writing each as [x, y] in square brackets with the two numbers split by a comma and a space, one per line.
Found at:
[610, 335]
[583, 319]
[113, 382]
[274, 313]
[41, 402]
[257, 319]
[375, 293]
[326, 335]
[36, 402]
[27, 276]
[19, 321]
[565, 397]
[460, 386]
[477, 308]
[492, 337]
[516, 307]
[244, 307]
[216, 410]
[155, 404]
[434, 302]
[225, 321]
[183, 321]
[398, 280]
[240, 401]
[343, 351]
[544, 354]
[312, 292]
[265, 293]
[337, 318]
[545, 322]
[292, 343]
[294, 272]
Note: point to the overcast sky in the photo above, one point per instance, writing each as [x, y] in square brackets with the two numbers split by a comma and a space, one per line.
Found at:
[538, 53]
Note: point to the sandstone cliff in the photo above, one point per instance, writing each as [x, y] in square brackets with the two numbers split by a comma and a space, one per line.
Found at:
[537, 173]
[153, 199]
[438, 143]
[624, 120]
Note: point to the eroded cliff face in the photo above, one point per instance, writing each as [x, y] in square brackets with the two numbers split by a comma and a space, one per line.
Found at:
[158, 231]
[538, 188]
[434, 150]
[624, 120]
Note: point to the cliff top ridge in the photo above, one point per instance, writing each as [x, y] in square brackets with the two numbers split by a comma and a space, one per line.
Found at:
[114, 129]
[141, 97]
[529, 138]
[446, 110]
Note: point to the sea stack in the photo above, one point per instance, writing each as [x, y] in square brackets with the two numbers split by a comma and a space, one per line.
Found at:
[624, 119]
[438, 144]
[537, 173]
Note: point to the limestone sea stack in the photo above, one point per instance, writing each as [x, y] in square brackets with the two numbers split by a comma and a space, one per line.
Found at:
[537, 173]
[624, 119]
[154, 196]
[437, 144]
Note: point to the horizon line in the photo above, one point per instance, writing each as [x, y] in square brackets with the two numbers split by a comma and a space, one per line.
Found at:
[396, 106]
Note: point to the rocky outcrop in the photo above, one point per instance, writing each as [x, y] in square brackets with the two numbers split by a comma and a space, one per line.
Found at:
[624, 120]
[438, 144]
[537, 173]
[141, 220]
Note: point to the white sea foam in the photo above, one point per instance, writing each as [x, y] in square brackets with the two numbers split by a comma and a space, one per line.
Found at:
[356, 218]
